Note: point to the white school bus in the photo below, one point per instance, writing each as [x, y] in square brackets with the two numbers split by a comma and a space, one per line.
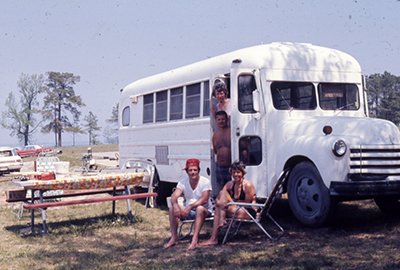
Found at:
[295, 106]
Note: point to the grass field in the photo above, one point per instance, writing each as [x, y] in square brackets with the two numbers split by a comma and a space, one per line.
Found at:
[88, 237]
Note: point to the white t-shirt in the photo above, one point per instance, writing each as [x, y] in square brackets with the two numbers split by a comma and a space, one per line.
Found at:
[191, 196]
[227, 110]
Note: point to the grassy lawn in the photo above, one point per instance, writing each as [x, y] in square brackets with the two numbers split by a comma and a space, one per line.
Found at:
[89, 237]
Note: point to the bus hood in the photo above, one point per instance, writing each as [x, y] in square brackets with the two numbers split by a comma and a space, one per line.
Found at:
[363, 130]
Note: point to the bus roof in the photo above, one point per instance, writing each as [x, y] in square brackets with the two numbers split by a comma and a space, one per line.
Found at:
[274, 56]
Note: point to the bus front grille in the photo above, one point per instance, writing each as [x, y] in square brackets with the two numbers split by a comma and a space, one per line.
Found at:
[374, 162]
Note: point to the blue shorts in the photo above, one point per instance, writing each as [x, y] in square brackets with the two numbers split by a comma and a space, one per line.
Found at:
[192, 215]
[222, 174]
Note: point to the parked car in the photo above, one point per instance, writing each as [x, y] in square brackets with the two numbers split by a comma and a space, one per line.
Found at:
[10, 161]
[33, 150]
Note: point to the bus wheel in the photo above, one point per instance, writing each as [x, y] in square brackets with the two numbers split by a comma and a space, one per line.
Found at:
[389, 205]
[164, 190]
[309, 198]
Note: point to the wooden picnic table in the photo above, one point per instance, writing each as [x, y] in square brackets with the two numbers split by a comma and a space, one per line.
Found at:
[95, 182]
[79, 181]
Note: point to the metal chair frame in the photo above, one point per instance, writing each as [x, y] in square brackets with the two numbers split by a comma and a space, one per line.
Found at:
[191, 222]
[264, 210]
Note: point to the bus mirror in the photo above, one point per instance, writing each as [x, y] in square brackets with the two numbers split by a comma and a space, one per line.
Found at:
[134, 99]
[256, 100]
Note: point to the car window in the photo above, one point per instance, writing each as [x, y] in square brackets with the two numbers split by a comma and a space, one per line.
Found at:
[6, 153]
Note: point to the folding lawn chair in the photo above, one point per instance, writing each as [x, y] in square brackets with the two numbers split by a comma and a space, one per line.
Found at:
[191, 223]
[263, 210]
[143, 166]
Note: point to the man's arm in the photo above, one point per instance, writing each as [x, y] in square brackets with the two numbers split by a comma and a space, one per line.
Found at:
[203, 200]
[174, 202]
[174, 197]
[213, 143]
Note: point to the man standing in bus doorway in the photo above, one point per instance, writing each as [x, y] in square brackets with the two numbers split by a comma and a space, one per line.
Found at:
[221, 142]
[196, 190]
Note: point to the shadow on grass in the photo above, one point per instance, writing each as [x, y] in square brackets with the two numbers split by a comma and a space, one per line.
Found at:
[358, 230]
[78, 226]
[351, 219]
[349, 215]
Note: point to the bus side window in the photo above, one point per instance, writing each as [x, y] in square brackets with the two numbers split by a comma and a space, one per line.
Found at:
[193, 100]
[206, 99]
[250, 150]
[126, 113]
[161, 106]
[246, 86]
[148, 108]
[176, 107]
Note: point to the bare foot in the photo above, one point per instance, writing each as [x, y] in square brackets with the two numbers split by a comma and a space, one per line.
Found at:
[209, 242]
[192, 246]
[222, 224]
[172, 242]
[235, 224]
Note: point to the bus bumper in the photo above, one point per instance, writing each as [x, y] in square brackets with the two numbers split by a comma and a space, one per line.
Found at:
[356, 189]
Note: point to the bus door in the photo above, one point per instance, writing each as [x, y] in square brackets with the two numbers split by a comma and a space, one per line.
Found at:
[215, 78]
[248, 126]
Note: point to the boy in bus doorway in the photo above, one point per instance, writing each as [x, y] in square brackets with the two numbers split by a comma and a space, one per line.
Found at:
[196, 190]
[221, 141]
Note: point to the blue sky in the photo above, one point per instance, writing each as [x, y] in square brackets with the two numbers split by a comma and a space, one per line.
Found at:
[113, 43]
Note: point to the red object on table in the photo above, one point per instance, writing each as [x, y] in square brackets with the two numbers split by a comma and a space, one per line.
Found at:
[46, 176]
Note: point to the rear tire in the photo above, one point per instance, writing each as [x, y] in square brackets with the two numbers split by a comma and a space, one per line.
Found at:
[389, 205]
[164, 190]
[308, 196]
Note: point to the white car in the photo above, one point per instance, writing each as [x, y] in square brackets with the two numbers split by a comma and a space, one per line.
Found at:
[10, 161]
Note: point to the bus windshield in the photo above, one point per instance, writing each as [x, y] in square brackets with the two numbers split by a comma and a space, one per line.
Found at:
[338, 96]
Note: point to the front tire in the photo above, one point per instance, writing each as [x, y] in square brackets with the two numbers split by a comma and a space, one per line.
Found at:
[308, 196]
[389, 205]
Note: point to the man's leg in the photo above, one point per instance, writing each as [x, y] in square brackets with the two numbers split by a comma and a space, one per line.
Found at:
[214, 235]
[173, 222]
[222, 174]
[219, 217]
[219, 177]
[201, 214]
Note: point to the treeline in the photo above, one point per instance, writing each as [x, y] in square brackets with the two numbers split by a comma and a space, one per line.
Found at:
[384, 96]
[60, 111]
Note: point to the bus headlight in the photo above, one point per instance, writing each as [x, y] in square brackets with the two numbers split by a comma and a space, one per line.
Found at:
[339, 147]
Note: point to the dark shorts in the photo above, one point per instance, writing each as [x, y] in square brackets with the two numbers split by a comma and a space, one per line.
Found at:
[192, 215]
[222, 174]
[252, 212]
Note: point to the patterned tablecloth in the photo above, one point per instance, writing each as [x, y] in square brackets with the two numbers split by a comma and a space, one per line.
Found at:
[106, 180]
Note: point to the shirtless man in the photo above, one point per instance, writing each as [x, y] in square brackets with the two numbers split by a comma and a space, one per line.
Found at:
[221, 141]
